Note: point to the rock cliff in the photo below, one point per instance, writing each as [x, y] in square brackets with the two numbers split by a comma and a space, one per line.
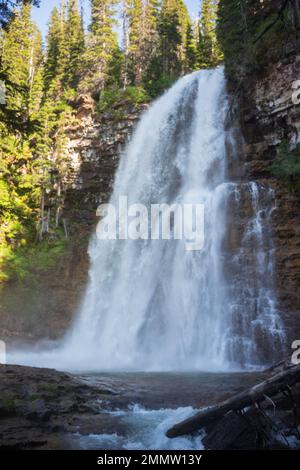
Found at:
[44, 303]
[266, 115]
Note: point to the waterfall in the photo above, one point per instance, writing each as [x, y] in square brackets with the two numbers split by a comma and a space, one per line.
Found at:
[153, 305]
[256, 331]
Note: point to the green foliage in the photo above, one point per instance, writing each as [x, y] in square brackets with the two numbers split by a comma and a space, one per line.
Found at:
[252, 33]
[133, 23]
[102, 46]
[75, 44]
[7, 9]
[174, 32]
[9, 405]
[287, 165]
[208, 49]
[27, 261]
[160, 44]
[113, 98]
[156, 86]
[32, 131]
[65, 50]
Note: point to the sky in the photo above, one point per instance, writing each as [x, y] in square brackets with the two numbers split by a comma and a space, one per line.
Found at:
[41, 15]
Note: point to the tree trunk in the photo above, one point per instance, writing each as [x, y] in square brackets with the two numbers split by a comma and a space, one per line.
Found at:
[256, 394]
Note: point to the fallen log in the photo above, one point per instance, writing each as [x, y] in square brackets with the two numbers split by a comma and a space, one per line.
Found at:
[256, 394]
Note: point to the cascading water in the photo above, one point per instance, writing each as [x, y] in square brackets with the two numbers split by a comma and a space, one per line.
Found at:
[151, 304]
[256, 332]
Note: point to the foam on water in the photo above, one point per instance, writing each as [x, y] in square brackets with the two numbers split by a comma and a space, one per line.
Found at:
[145, 430]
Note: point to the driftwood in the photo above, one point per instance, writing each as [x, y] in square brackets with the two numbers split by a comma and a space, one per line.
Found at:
[261, 392]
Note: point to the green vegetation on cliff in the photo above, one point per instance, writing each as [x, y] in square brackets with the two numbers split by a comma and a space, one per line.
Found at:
[33, 115]
[160, 42]
[252, 33]
[42, 83]
[287, 165]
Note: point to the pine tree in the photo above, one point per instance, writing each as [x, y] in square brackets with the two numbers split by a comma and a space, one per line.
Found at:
[22, 70]
[209, 52]
[141, 38]
[170, 38]
[36, 74]
[151, 35]
[74, 37]
[16, 61]
[171, 50]
[191, 49]
[8, 9]
[134, 29]
[21, 65]
[102, 47]
[56, 56]
[175, 37]
[65, 49]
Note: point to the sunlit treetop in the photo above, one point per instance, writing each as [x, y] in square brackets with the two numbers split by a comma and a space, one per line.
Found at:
[7, 8]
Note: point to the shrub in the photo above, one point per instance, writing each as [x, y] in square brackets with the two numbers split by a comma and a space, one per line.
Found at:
[114, 97]
[287, 165]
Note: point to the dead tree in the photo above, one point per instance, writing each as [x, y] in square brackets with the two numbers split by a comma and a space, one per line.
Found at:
[255, 395]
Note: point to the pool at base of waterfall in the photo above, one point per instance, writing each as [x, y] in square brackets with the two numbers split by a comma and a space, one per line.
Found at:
[141, 429]
[143, 406]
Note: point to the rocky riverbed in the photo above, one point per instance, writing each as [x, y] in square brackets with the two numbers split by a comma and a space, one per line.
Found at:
[47, 409]
[40, 408]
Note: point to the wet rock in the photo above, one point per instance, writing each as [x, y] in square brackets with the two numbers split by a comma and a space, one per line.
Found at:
[35, 410]
[266, 115]
[40, 406]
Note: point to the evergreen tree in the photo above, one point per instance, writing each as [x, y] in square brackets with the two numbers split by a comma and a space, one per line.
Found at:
[56, 56]
[191, 49]
[170, 38]
[21, 65]
[209, 52]
[65, 48]
[141, 38]
[74, 38]
[134, 30]
[16, 61]
[102, 48]
[36, 74]
[175, 24]
[8, 8]
[152, 10]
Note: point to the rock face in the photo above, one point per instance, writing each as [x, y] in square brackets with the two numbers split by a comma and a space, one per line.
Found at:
[41, 408]
[266, 115]
[43, 305]
[95, 145]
